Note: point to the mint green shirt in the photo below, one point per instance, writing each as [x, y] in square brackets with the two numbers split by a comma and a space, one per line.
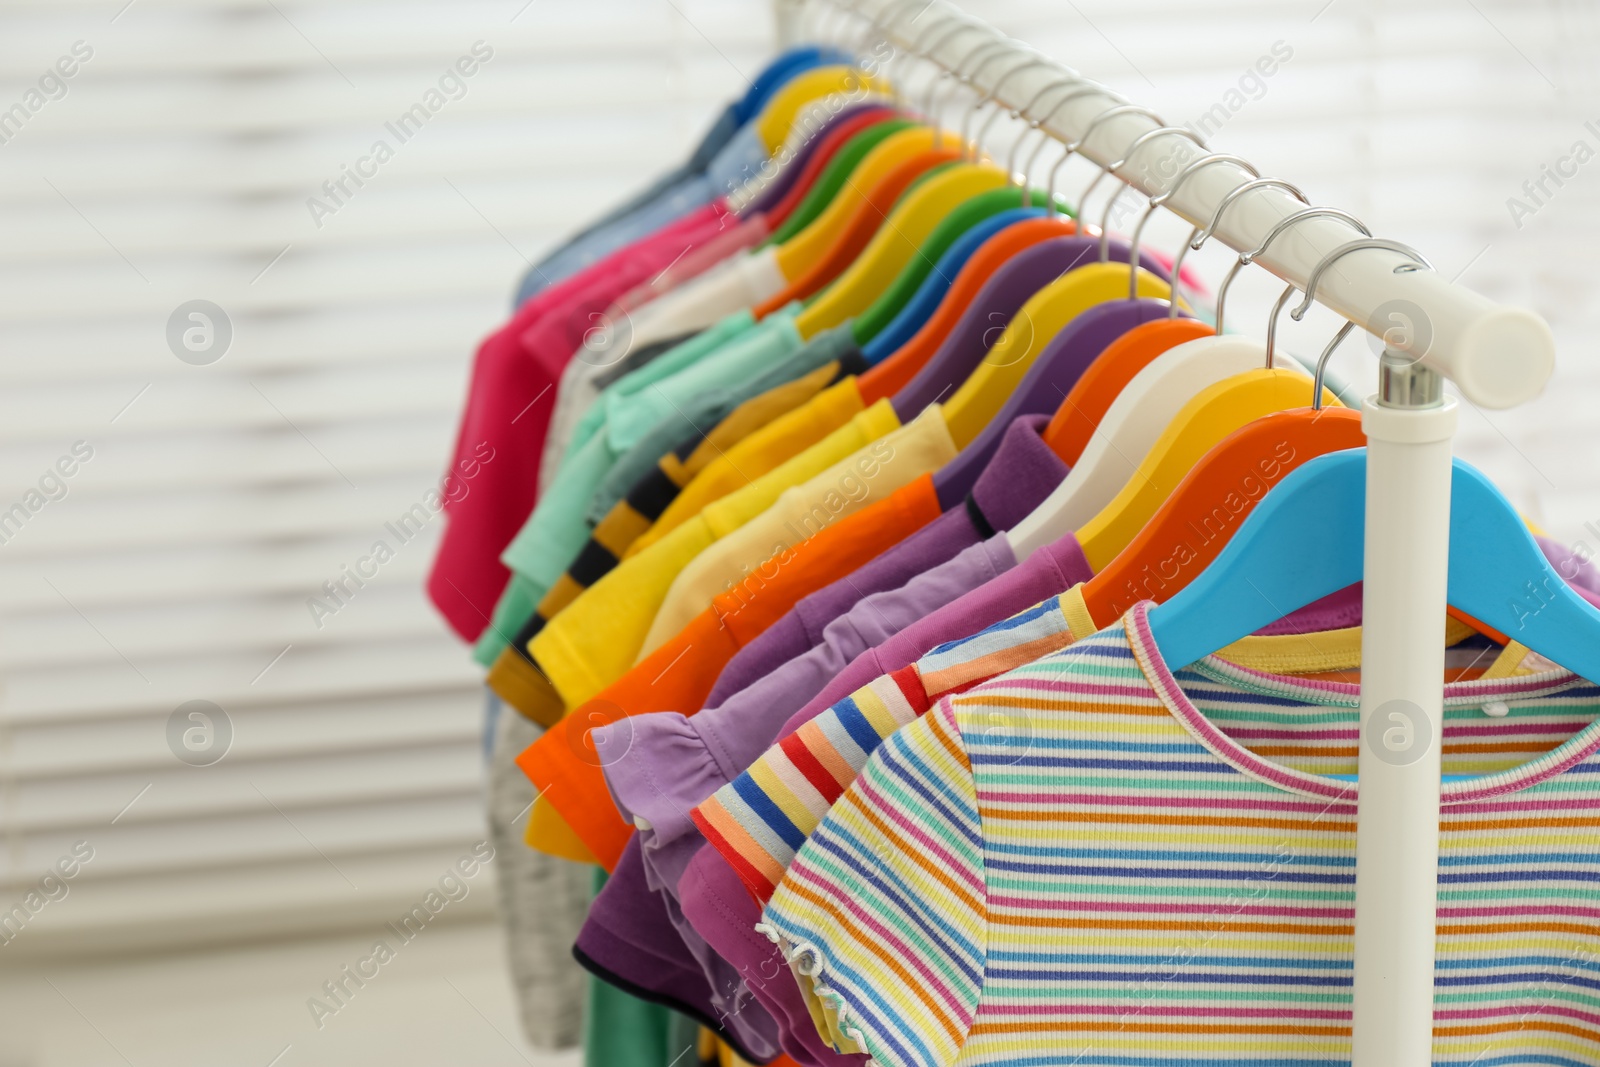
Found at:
[625, 413]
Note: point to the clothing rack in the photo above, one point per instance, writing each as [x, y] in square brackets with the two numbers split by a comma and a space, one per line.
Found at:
[1498, 356]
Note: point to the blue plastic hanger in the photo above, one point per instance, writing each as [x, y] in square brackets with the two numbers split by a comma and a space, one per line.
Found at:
[922, 305]
[1305, 540]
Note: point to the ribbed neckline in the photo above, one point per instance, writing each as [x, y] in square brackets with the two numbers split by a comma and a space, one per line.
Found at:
[1574, 750]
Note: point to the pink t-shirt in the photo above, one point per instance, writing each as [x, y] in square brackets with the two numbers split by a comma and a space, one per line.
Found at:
[491, 483]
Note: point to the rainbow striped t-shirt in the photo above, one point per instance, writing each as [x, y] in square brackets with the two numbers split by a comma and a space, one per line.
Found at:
[761, 818]
[1095, 860]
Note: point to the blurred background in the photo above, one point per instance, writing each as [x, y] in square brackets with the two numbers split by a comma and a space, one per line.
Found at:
[216, 485]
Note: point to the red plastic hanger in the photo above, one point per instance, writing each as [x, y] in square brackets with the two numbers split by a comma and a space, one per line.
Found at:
[1082, 409]
[835, 139]
[863, 222]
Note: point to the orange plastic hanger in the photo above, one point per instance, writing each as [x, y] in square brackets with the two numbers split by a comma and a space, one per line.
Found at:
[1189, 529]
[800, 252]
[1103, 380]
[863, 222]
[821, 159]
[890, 376]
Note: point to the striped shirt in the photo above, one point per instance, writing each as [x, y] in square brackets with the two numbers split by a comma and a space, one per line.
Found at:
[514, 677]
[759, 820]
[1093, 860]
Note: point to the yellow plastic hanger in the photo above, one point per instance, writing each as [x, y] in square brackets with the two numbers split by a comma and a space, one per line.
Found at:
[984, 392]
[1212, 415]
[778, 117]
[806, 248]
[897, 240]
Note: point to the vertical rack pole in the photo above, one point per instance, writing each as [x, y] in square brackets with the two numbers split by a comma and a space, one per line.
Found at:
[1409, 425]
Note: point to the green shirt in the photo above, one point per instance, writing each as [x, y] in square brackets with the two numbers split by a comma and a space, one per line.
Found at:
[623, 415]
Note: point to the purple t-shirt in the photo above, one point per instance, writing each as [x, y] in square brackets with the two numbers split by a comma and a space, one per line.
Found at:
[671, 762]
[622, 942]
[675, 762]
[1021, 474]
[717, 904]
[1053, 569]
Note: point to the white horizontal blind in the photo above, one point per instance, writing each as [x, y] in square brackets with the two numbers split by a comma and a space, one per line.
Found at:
[177, 167]
[175, 164]
[1422, 119]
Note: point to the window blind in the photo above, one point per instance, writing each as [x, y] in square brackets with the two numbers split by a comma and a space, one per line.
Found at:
[178, 162]
[214, 492]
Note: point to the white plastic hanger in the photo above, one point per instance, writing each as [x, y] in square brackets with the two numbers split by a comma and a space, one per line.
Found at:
[1144, 409]
[1130, 428]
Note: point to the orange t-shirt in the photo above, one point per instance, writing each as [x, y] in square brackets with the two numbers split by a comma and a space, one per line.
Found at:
[564, 765]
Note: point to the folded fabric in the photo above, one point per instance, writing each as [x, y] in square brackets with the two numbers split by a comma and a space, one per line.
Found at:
[598, 637]
[566, 765]
[560, 649]
[760, 452]
[514, 675]
[706, 409]
[584, 378]
[876, 470]
[696, 408]
[1020, 475]
[726, 916]
[555, 532]
[678, 758]
[615, 945]
[499, 443]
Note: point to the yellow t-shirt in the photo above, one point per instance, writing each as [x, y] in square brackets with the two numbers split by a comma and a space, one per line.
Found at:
[779, 440]
[746, 540]
[596, 639]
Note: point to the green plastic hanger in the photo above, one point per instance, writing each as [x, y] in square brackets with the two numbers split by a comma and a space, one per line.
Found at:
[949, 230]
[833, 177]
[896, 243]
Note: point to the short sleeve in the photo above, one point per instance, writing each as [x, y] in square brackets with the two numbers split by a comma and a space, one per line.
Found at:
[885, 906]
[761, 818]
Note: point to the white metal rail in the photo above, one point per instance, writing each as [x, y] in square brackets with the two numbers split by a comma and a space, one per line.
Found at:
[1498, 356]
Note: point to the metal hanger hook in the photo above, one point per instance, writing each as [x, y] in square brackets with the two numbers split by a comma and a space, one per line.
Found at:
[1112, 168]
[1025, 112]
[1272, 321]
[1322, 363]
[1107, 168]
[918, 50]
[969, 82]
[1235, 193]
[993, 95]
[1345, 249]
[1161, 199]
[1087, 89]
[1088, 132]
[1247, 258]
[989, 51]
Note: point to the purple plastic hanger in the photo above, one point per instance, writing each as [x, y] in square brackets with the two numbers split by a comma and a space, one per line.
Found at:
[786, 178]
[1052, 376]
[982, 323]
